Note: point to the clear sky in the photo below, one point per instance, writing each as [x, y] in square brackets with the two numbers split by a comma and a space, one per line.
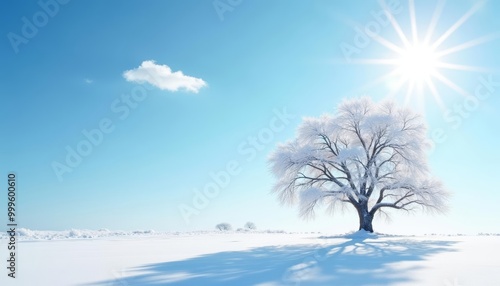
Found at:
[250, 71]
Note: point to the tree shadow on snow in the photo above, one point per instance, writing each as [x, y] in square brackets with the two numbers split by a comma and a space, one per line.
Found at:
[351, 261]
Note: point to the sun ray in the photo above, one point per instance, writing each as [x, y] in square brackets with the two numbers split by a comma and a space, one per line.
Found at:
[413, 21]
[467, 45]
[376, 81]
[420, 99]
[388, 44]
[409, 93]
[462, 67]
[457, 25]
[450, 84]
[375, 61]
[434, 20]
[394, 89]
[395, 24]
[367, 61]
[435, 94]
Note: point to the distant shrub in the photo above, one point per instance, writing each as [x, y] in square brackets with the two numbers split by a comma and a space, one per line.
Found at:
[250, 225]
[24, 232]
[223, 226]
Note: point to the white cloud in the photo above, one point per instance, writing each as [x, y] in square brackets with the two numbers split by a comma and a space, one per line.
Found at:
[89, 81]
[162, 77]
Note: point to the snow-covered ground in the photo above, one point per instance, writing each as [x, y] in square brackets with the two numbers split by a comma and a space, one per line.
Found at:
[80, 257]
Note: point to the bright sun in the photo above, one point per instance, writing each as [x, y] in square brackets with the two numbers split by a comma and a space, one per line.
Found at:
[418, 61]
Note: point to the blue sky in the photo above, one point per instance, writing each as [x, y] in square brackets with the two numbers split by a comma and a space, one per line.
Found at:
[256, 59]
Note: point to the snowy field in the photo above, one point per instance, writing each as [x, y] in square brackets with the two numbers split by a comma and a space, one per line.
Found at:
[253, 258]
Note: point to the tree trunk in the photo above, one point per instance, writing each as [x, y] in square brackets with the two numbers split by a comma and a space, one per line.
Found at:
[365, 218]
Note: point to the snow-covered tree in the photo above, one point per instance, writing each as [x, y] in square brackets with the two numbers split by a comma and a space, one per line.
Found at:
[250, 225]
[371, 156]
[223, 226]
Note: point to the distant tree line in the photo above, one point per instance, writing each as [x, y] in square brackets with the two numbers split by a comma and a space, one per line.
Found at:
[226, 226]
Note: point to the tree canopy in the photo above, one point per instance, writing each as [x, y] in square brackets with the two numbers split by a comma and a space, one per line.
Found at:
[371, 156]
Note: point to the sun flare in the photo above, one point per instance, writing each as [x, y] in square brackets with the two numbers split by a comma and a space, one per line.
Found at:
[419, 60]
[417, 63]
